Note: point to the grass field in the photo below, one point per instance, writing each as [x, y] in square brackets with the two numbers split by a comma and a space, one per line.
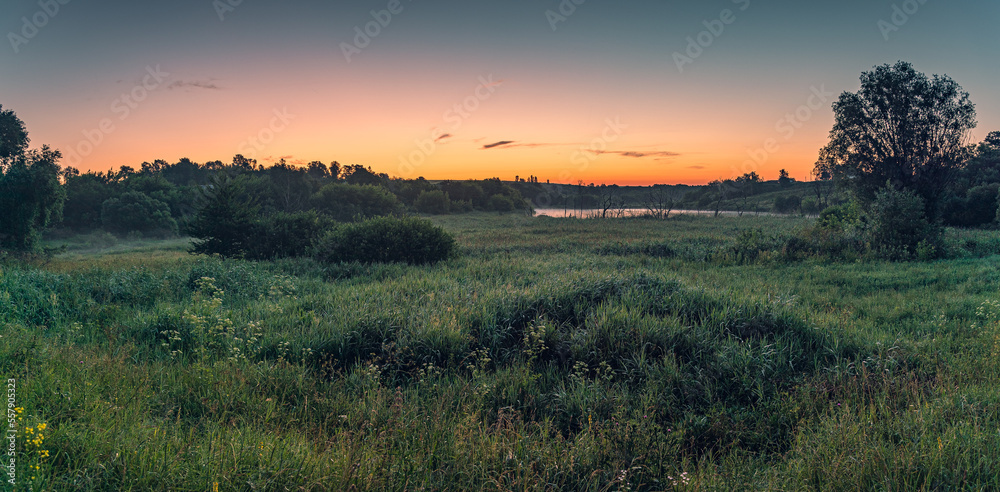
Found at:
[551, 354]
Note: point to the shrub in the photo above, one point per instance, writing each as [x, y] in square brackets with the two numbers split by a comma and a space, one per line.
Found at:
[752, 244]
[837, 233]
[787, 204]
[898, 224]
[386, 240]
[135, 211]
[432, 202]
[809, 206]
[840, 217]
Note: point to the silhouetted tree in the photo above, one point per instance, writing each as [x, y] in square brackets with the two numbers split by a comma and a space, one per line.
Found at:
[784, 180]
[901, 128]
[31, 196]
[13, 136]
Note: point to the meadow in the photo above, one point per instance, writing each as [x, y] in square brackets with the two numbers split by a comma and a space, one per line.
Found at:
[549, 354]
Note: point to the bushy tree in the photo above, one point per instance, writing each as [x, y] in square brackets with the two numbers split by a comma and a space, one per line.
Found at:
[787, 204]
[85, 194]
[31, 197]
[386, 240]
[500, 203]
[901, 128]
[346, 202]
[285, 235]
[977, 208]
[135, 211]
[13, 135]
[433, 202]
[897, 228]
[784, 180]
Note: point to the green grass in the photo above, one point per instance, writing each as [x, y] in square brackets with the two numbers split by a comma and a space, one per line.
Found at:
[551, 354]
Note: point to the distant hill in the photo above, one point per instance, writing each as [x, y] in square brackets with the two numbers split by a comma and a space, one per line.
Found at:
[764, 196]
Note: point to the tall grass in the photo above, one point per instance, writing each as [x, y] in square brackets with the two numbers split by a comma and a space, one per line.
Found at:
[550, 354]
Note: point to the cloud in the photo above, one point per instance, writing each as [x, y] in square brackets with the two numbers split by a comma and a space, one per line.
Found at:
[442, 137]
[658, 154]
[502, 143]
[696, 167]
[507, 144]
[194, 84]
[638, 154]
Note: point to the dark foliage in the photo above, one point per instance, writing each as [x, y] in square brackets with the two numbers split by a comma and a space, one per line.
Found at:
[433, 202]
[31, 198]
[386, 240]
[900, 128]
[346, 202]
[135, 211]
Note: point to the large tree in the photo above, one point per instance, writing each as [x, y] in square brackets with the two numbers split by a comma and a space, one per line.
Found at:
[902, 129]
[13, 135]
[31, 197]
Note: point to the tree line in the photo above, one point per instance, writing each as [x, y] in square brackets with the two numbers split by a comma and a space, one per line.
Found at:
[899, 147]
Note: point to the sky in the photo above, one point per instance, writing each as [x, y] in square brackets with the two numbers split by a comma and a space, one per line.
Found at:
[626, 91]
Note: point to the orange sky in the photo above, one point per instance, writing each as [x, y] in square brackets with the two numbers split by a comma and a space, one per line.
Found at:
[597, 98]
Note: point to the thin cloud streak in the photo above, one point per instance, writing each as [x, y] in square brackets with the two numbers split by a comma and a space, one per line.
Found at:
[194, 84]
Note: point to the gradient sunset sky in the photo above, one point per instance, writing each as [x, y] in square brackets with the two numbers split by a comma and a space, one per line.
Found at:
[472, 89]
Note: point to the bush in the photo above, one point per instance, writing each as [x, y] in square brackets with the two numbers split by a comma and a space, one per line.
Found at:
[135, 211]
[386, 240]
[787, 204]
[976, 209]
[432, 202]
[837, 233]
[346, 202]
[809, 206]
[286, 235]
[753, 244]
[898, 225]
